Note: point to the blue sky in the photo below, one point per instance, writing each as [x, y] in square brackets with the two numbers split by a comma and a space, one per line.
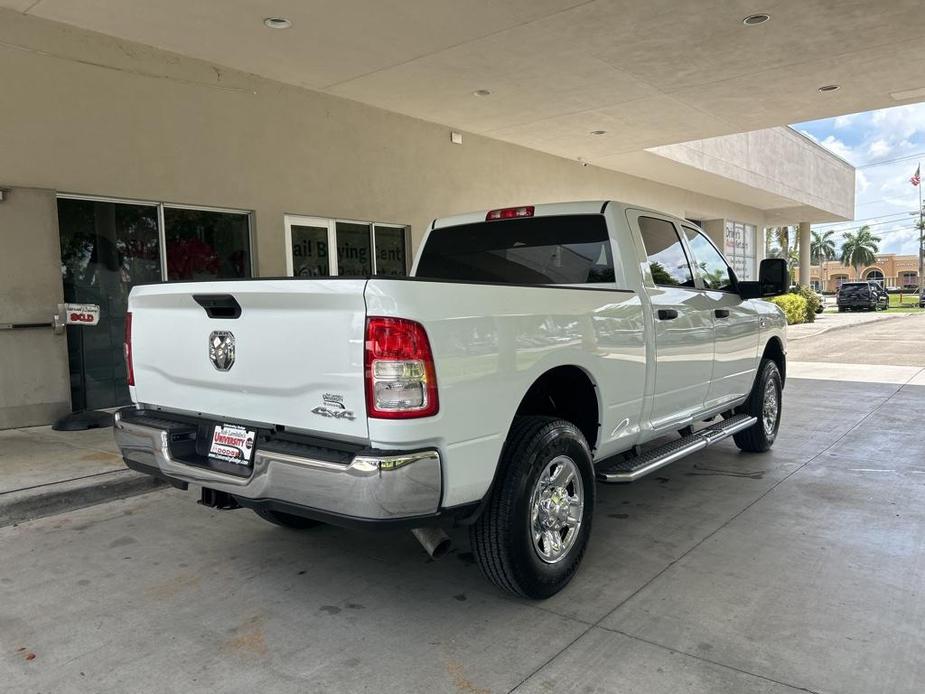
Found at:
[872, 141]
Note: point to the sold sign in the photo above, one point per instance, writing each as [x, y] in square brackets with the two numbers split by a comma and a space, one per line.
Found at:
[82, 314]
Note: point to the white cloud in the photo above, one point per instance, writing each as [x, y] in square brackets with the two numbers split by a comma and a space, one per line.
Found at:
[884, 197]
[901, 121]
[879, 148]
[844, 121]
[836, 146]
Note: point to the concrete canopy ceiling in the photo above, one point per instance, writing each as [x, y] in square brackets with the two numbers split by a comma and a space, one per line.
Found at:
[649, 72]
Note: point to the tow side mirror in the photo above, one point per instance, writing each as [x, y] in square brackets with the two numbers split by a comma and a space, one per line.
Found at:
[773, 280]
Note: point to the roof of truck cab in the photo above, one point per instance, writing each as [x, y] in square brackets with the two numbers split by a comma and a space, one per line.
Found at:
[544, 210]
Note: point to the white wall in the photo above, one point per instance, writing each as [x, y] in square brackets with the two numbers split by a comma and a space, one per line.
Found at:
[34, 385]
[84, 113]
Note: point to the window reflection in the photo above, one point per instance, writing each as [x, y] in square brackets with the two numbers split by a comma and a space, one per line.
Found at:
[667, 259]
[354, 255]
[106, 249]
[203, 245]
[310, 251]
[390, 251]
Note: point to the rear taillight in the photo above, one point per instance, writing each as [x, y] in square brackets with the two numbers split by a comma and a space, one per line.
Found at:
[127, 347]
[400, 379]
[510, 213]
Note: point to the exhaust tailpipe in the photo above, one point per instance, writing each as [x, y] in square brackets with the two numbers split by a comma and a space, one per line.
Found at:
[434, 541]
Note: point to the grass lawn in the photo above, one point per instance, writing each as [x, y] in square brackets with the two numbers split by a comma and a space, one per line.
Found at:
[909, 304]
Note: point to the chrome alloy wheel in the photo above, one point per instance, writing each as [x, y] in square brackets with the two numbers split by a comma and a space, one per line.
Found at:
[556, 507]
[771, 408]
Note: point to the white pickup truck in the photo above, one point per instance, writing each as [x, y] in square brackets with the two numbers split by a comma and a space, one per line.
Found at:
[534, 350]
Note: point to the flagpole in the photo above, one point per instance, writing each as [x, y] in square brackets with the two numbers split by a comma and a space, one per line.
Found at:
[921, 239]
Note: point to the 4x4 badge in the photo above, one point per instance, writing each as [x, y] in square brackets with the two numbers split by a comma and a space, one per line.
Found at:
[333, 407]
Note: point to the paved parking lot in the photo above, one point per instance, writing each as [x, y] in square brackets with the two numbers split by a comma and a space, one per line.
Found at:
[798, 570]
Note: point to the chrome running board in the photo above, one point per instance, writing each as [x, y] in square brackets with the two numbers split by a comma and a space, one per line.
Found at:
[632, 468]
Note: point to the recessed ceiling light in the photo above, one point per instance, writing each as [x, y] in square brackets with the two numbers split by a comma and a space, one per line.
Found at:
[909, 94]
[598, 132]
[829, 88]
[277, 23]
[753, 19]
[481, 92]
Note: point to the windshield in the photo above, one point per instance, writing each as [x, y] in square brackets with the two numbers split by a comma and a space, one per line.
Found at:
[860, 289]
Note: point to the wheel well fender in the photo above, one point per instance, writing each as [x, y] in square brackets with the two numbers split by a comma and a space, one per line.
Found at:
[774, 350]
[565, 392]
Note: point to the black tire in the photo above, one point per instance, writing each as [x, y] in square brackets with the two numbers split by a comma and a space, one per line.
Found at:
[286, 520]
[502, 537]
[759, 438]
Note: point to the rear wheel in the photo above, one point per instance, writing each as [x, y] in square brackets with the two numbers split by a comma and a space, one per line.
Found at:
[764, 403]
[531, 537]
[286, 520]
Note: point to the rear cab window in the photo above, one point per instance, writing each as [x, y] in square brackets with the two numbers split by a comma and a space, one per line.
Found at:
[554, 250]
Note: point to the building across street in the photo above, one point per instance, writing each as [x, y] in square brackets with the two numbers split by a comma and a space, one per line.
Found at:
[889, 270]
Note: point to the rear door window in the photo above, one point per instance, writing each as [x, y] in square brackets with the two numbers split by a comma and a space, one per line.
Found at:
[568, 249]
[667, 259]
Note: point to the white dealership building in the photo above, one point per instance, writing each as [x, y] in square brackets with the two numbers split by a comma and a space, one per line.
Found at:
[149, 141]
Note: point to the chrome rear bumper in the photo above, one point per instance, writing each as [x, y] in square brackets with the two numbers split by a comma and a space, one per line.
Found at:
[378, 486]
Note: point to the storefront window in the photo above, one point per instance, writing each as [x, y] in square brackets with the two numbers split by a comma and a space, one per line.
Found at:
[204, 245]
[107, 247]
[739, 248]
[354, 252]
[363, 249]
[310, 251]
[391, 259]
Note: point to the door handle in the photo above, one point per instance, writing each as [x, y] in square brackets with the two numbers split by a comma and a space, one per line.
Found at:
[721, 313]
[667, 314]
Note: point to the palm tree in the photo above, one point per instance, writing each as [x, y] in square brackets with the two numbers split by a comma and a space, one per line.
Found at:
[779, 236]
[859, 249]
[822, 247]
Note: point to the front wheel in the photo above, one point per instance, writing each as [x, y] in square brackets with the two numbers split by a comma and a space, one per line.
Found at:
[532, 534]
[764, 403]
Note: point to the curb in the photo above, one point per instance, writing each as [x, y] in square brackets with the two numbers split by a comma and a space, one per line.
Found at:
[59, 497]
[829, 329]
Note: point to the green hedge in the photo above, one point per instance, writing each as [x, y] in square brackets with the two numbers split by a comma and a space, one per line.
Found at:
[812, 301]
[793, 306]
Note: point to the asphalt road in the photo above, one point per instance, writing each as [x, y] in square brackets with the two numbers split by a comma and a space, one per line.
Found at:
[895, 339]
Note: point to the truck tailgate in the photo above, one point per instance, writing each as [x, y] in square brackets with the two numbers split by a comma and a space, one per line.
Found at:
[298, 352]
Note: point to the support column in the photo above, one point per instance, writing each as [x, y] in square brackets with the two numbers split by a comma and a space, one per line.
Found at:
[805, 241]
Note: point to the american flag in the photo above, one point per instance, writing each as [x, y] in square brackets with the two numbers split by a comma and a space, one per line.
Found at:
[916, 177]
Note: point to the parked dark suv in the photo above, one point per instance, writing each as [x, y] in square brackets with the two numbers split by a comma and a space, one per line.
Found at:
[865, 296]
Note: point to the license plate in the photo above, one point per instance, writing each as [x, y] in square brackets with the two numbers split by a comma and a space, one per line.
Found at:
[232, 444]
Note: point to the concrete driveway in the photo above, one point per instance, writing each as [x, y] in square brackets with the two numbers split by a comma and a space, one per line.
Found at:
[797, 570]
